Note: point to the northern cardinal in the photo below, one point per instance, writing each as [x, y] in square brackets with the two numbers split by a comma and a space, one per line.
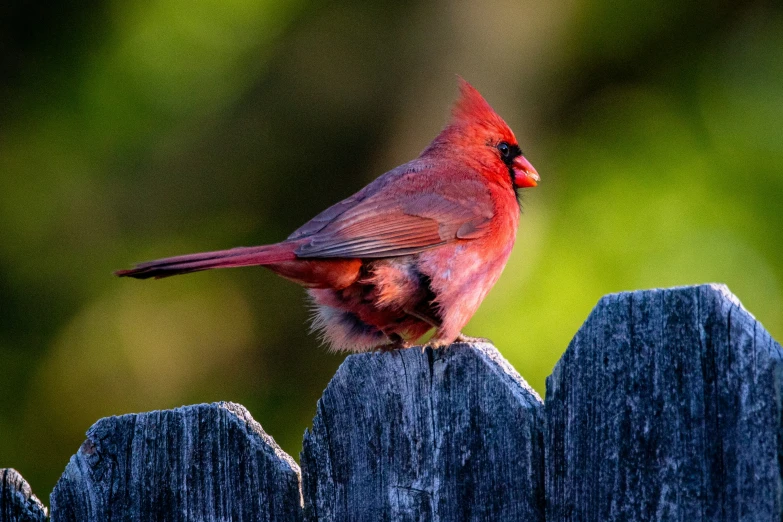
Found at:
[416, 249]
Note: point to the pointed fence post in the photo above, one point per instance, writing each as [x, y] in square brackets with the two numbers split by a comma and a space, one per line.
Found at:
[447, 435]
[204, 462]
[666, 406]
[17, 502]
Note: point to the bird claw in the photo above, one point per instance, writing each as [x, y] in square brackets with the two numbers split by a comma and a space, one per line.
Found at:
[434, 345]
[397, 344]
[461, 338]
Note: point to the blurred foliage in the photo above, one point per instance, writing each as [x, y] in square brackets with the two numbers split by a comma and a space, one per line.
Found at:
[134, 130]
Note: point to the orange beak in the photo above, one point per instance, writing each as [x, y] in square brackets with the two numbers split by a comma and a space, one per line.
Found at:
[525, 176]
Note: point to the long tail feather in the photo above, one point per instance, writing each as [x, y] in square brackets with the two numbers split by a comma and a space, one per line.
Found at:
[241, 256]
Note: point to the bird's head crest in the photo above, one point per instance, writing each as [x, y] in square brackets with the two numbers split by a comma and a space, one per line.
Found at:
[472, 108]
[478, 134]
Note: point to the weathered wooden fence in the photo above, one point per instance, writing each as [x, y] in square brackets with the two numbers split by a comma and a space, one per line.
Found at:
[665, 406]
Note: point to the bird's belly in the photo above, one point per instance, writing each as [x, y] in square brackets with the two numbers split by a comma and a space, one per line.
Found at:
[377, 307]
[406, 296]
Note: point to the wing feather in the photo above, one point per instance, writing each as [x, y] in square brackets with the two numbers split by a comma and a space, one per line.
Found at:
[408, 210]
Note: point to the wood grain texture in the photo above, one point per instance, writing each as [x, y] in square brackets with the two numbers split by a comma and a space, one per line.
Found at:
[666, 406]
[204, 462]
[17, 502]
[447, 435]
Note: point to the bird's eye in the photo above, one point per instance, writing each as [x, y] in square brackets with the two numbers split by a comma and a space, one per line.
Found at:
[504, 149]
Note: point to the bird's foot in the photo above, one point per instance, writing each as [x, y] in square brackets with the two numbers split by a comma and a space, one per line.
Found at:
[462, 338]
[434, 344]
[397, 343]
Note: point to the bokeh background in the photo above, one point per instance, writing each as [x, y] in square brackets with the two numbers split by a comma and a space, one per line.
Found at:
[131, 130]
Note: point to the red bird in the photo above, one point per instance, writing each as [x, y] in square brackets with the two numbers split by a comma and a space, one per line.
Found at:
[418, 248]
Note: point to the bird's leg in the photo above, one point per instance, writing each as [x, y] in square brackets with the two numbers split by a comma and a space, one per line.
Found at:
[435, 342]
[432, 321]
[397, 343]
[421, 316]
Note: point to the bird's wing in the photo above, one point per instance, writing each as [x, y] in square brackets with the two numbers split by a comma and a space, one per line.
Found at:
[410, 211]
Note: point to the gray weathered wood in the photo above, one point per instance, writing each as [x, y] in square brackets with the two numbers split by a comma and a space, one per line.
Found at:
[17, 502]
[447, 435]
[205, 462]
[666, 406]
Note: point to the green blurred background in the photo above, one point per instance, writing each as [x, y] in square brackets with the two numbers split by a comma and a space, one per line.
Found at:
[131, 130]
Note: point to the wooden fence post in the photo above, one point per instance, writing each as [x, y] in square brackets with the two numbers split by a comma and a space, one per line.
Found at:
[203, 462]
[666, 406]
[445, 435]
[17, 502]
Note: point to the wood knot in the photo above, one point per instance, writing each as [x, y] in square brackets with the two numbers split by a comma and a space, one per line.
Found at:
[88, 448]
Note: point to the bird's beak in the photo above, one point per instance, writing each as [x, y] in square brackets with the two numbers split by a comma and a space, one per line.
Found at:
[525, 176]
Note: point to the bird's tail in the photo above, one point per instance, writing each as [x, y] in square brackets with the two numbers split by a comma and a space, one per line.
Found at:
[241, 256]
